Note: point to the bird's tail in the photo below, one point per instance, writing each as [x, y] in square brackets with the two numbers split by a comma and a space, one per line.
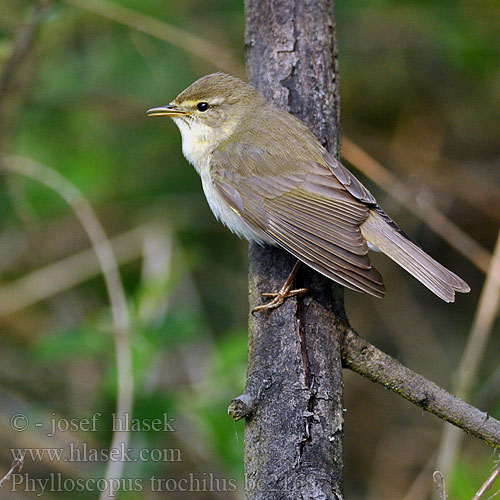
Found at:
[386, 237]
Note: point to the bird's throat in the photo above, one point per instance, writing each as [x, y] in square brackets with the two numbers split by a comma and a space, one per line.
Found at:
[197, 142]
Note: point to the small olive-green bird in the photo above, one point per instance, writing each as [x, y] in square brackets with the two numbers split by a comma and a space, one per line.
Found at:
[269, 180]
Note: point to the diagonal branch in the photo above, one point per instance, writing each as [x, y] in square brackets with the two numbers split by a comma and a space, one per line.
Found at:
[422, 208]
[16, 466]
[204, 49]
[363, 358]
[21, 46]
[70, 271]
[488, 483]
[19, 51]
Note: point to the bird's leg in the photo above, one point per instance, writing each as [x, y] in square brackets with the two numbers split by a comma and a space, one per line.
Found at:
[284, 292]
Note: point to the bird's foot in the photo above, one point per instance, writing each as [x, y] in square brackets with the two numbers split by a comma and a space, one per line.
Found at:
[284, 292]
[278, 299]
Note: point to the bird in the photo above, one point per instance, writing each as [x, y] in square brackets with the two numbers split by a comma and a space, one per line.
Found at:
[269, 180]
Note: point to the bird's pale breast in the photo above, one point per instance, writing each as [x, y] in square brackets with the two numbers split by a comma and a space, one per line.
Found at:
[197, 145]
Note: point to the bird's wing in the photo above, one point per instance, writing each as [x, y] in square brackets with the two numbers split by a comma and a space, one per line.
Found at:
[303, 208]
[360, 192]
[347, 179]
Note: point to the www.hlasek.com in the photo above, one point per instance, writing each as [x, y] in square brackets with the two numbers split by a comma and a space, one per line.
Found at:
[85, 453]
[206, 482]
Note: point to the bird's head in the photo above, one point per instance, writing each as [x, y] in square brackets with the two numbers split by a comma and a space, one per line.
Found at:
[214, 104]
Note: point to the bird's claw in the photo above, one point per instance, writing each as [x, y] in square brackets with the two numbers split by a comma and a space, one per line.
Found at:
[278, 298]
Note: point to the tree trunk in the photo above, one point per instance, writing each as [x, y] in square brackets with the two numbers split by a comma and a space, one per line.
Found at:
[293, 398]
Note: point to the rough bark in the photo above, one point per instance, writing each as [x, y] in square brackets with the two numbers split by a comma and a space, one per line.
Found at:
[293, 398]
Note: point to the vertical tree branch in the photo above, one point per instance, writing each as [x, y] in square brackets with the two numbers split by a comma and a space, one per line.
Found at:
[293, 398]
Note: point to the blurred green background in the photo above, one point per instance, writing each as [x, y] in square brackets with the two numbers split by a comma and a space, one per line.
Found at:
[420, 92]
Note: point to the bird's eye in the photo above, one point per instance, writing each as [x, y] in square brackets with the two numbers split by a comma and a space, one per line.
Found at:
[202, 106]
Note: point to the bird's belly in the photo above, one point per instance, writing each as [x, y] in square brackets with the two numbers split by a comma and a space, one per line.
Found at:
[225, 214]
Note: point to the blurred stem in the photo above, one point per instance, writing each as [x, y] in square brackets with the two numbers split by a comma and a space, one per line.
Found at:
[420, 207]
[21, 46]
[484, 318]
[66, 273]
[420, 487]
[198, 46]
[104, 252]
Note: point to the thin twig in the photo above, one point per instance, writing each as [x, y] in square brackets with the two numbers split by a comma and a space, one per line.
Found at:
[16, 466]
[119, 311]
[488, 483]
[487, 310]
[220, 58]
[440, 485]
[365, 359]
[421, 207]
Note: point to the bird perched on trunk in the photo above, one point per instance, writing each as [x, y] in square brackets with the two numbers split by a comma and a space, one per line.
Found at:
[269, 180]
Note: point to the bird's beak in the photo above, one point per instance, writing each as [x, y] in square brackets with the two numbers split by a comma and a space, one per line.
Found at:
[169, 110]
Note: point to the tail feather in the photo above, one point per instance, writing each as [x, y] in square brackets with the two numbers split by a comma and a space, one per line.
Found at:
[413, 259]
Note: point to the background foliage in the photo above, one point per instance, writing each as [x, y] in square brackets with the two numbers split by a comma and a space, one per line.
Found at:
[420, 92]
